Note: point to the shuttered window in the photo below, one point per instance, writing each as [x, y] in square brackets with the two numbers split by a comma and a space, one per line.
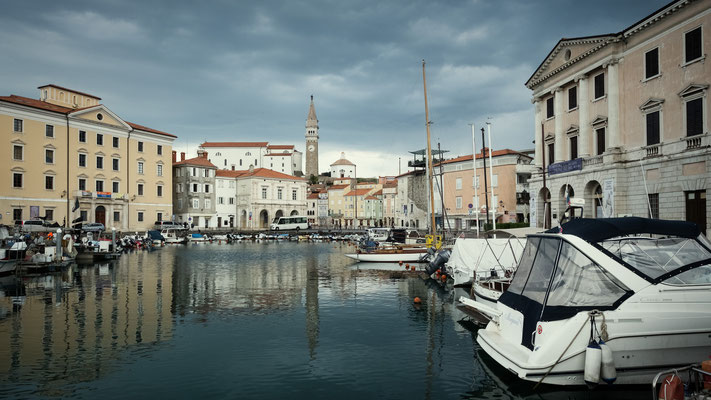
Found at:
[653, 128]
[692, 45]
[600, 140]
[694, 117]
[600, 85]
[651, 63]
[551, 155]
[573, 147]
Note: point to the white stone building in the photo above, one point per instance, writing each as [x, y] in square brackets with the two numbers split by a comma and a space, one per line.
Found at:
[412, 201]
[342, 168]
[194, 191]
[236, 156]
[621, 120]
[225, 200]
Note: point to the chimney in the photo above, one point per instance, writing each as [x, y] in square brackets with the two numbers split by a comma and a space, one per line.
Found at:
[182, 156]
[174, 155]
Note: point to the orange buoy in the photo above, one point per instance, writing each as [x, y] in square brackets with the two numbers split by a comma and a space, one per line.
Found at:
[444, 278]
[400, 262]
[417, 300]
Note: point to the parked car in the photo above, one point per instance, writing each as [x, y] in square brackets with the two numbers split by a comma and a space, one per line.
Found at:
[160, 225]
[93, 227]
[31, 225]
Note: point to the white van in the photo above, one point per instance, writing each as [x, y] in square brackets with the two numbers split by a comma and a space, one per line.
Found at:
[295, 222]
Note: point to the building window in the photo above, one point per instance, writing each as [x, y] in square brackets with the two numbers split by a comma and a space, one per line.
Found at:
[692, 45]
[17, 125]
[140, 147]
[115, 187]
[196, 203]
[49, 182]
[99, 139]
[599, 85]
[232, 200]
[159, 149]
[694, 117]
[18, 152]
[159, 190]
[17, 214]
[17, 179]
[600, 140]
[293, 194]
[99, 185]
[495, 180]
[115, 142]
[140, 216]
[159, 169]
[140, 189]
[48, 215]
[140, 167]
[208, 203]
[572, 98]
[159, 216]
[49, 156]
[651, 63]
[49, 131]
[195, 187]
[99, 162]
[653, 205]
[207, 173]
[573, 147]
[115, 164]
[82, 184]
[220, 200]
[458, 183]
[279, 190]
[264, 193]
[207, 188]
[459, 202]
[180, 204]
[117, 216]
[551, 154]
[550, 112]
[255, 162]
[652, 128]
[84, 215]
[82, 160]
[194, 172]
[240, 162]
[82, 136]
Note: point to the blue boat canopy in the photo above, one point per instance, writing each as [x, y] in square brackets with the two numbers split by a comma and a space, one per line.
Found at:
[597, 230]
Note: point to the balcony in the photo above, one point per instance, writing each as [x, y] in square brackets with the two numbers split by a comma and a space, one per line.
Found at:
[654, 150]
[694, 142]
[591, 161]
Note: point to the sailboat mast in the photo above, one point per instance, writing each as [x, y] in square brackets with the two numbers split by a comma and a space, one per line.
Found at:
[429, 155]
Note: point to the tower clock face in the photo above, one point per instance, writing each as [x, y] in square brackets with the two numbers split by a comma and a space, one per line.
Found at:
[311, 147]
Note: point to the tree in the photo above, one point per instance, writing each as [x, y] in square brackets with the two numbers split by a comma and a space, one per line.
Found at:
[313, 179]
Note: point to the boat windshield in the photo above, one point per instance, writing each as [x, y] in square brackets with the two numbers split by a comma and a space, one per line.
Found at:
[656, 257]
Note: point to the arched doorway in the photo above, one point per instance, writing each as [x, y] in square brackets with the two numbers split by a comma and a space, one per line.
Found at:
[243, 219]
[264, 219]
[100, 215]
[294, 212]
[543, 208]
[562, 200]
[593, 200]
[278, 215]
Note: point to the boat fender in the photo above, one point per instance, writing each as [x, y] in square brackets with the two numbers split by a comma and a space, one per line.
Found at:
[608, 372]
[593, 358]
[438, 262]
[672, 388]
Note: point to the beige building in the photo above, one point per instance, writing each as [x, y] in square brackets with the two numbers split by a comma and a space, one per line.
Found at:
[621, 120]
[506, 185]
[336, 203]
[70, 158]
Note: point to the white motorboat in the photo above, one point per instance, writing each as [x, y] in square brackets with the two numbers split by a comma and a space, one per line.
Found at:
[197, 238]
[649, 296]
[417, 254]
[174, 236]
[474, 258]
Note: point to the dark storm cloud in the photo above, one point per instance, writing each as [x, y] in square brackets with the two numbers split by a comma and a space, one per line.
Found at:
[237, 70]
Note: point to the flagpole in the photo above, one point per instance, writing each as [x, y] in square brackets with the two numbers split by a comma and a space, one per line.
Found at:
[476, 189]
[491, 177]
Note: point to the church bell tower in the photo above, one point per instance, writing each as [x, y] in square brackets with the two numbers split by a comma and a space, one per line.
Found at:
[311, 142]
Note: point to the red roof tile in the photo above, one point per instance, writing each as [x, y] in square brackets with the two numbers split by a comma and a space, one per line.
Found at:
[277, 154]
[226, 173]
[378, 193]
[280, 146]
[43, 105]
[312, 196]
[358, 192]
[371, 198]
[495, 153]
[258, 172]
[336, 187]
[234, 144]
[197, 161]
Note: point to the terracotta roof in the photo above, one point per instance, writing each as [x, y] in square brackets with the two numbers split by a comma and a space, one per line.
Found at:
[43, 105]
[69, 90]
[147, 129]
[390, 185]
[342, 161]
[277, 154]
[336, 187]
[234, 144]
[258, 172]
[358, 192]
[371, 198]
[280, 146]
[495, 153]
[197, 161]
[312, 196]
[378, 193]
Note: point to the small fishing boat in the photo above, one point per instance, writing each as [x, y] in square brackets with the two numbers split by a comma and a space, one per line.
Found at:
[635, 290]
[391, 254]
[197, 238]
[174, 236]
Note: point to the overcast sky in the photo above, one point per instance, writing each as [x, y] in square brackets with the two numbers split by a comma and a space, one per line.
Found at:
[244, 70]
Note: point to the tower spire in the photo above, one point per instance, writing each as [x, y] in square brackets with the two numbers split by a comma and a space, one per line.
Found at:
[311, 141]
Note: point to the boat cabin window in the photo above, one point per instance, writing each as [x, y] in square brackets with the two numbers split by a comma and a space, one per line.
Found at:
[524, 266]
[579, 282]
[540, 277]
[656, 257]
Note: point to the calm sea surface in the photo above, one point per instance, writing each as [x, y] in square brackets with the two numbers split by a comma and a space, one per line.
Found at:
[244, 320]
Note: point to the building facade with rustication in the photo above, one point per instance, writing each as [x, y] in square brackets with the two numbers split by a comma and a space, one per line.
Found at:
[621, 120]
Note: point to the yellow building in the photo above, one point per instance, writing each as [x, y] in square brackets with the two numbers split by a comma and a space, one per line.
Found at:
[70, 158]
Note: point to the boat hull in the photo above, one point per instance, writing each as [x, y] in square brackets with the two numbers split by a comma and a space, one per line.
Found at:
[387, 257]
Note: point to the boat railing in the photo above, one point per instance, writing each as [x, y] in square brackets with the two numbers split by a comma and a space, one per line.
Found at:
[693, 369]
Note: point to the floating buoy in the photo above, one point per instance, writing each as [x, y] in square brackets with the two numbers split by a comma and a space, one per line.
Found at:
[608, 372]
[593, 359]
[400, 262]
[417, 300]
[444, 278]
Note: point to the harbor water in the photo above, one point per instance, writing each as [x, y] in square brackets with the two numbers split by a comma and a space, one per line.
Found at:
[247, 320]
